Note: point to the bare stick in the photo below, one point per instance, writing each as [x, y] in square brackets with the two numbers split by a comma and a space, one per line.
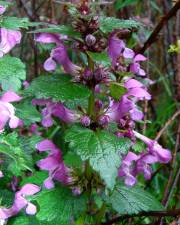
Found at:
[159, 214]
[159, 26]
[176, 114]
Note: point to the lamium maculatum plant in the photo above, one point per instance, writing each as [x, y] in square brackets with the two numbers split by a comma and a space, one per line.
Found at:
[71, 144]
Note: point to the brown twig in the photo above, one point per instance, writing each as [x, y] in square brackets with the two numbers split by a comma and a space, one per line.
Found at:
[21, 5]
[176, 114]
[169, 183]
[159, 26]
[160, 214]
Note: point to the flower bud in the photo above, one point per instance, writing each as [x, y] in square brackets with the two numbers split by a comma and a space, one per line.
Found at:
[90, 40]
[88, 74]
[104, 120]
[85, 121]
[98, 105]
[76, 191]
[98, 74]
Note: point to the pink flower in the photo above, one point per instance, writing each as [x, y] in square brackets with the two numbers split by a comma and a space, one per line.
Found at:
[2, 9]
[126, 169]
[53, 163]
[137, 89]
[58, 54]
[47, 38]
[21, 202]
[126, 106]
[162, 155]
[9, 39]
[117, 49]
[55, 109]
[1, 174]
[7, 110]
[135, 66]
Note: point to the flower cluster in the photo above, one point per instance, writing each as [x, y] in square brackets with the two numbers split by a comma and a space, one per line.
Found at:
[134, 164]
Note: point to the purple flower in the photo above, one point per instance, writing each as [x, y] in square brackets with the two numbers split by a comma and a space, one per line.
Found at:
[47, 38]
[9, 39]
[34, 129]
[104, 120]
[55, 109]
[136, 89]
[54, 164]
[115, 48]
[117, 110]
[2, 9]
[135, 66]
[85, 121]
[58, 54]
[143, 165]
[162, 155]
[127, 168]
[21, 202]
[7, 110]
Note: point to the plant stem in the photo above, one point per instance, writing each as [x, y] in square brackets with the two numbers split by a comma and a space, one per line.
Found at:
[91, 104]
[100, 214]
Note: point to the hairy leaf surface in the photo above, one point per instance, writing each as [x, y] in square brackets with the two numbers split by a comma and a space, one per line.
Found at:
[12, 72]
[59, 204]
[132, 200]
[102, 149]
[58, 87]
[108, 24]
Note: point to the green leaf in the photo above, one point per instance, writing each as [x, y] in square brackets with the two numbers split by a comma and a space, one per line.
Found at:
[28, 143]
[14, 23]
[132, 200]
[60, 205]
[72, 160]
[12, 71]
[37, 178]
[58, 87]
[109, 24]
[10, 146]
[119, 4]
[63, 29]
[6, 197]
[102, 149]
[101, 58]
[27, 112]
[138, 147]
[23, 219]
[117, 90]
[5, 3]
